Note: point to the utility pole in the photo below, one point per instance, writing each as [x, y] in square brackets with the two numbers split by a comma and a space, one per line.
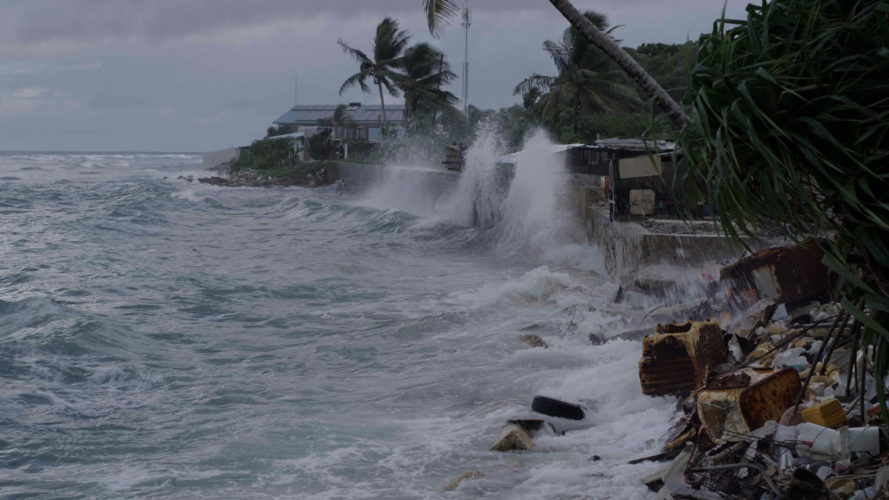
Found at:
[296, 89]
[466, 24]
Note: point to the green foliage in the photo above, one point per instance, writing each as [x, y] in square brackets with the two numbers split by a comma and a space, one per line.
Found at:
[266, 154]
[790, 123]
[388, 46]
[320, 147]
[298, 172]
[423, 71]
[340, 118]
[587, 81]
[276, 130]
[640, 124]
[669, 64]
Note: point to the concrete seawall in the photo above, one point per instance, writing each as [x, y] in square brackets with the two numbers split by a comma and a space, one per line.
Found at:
[627, 247]
[359, 177]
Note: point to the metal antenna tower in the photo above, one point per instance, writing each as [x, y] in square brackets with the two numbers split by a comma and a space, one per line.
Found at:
[466, 23]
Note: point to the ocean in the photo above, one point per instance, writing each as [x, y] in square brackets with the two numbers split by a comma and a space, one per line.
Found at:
[161, 338]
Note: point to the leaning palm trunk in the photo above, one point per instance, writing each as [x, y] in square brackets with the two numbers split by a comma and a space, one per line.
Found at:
[624, 61]
[382, 105]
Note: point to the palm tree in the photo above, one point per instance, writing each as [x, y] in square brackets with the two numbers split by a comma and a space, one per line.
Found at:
[424, 71]
[388, 46]
[340, 119]
[585, 79]
[439, 11]
[626, 63]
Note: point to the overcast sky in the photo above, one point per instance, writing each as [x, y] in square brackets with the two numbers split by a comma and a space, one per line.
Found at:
[200, 75]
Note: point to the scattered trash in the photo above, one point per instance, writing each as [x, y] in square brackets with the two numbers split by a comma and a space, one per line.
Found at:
[784, 406]
[776, 386]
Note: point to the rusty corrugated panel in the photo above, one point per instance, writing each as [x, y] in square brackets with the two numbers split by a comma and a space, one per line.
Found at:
[729, 410]
[780, 274]
[770, 397]
[677, 358]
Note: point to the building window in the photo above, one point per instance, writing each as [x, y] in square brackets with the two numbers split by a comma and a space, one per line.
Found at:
[374, 133]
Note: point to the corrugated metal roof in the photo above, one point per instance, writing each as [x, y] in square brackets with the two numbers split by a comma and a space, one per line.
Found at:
[309, 114]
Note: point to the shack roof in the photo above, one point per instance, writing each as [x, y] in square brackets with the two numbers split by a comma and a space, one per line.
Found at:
[365, 114]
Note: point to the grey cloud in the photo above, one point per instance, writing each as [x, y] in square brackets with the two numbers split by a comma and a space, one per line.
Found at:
[104, 101]
[43, 20]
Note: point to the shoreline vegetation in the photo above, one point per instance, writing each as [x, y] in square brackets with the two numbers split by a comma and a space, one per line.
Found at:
[308, 174]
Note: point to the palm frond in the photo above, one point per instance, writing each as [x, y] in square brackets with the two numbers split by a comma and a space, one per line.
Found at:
[561, 54]
[439, 13]
[356, 54]
[356, 79]
[534, 82]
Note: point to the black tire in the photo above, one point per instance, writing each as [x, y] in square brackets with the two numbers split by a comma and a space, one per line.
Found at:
[556, 408]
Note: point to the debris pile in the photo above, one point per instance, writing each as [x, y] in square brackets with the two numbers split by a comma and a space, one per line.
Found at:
[777, 390]
[774, 380]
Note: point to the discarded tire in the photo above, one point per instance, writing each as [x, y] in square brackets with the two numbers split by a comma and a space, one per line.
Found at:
[556, 408]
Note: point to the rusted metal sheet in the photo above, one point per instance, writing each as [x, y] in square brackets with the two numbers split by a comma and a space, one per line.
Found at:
[780, 274]
[677, 358]
[743, 401]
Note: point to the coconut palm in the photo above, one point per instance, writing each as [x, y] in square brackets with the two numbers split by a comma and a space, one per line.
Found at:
[439, 11]
[423, 72]
[339, 119]
[388, 46]
[626, 63]
[586, 80]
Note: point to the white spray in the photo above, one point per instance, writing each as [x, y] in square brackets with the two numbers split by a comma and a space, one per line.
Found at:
[480, 190]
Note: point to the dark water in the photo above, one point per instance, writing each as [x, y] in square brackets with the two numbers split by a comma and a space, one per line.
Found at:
[166, 339]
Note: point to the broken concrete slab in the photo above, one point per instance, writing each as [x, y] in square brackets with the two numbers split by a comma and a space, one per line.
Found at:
[677, 358]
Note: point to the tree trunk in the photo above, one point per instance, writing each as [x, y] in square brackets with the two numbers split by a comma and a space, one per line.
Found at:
[435, 106]
[383, 108]
[624, 61]
[576, 112]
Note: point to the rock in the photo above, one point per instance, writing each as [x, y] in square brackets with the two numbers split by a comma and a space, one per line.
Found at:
[532, 340]
[513, 438]
[469, 475]
[657, 287]
[597, 339]
[529, 424]
[633, 334]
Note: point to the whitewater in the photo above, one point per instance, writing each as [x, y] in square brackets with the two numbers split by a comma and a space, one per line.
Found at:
[166, 339]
